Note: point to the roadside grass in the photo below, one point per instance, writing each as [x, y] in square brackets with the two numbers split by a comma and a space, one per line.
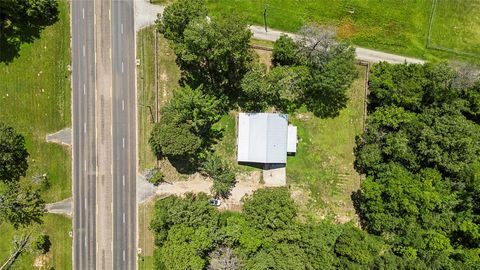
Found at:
[146, 238]
[168, 75]
[35, 100]
[59, 256]
[394, 26]
[456, 26]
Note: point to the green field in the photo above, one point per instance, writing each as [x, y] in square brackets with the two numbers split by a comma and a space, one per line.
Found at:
[389, 25]
[59, 257]
[168, 76]
[456, 26]
[35, 100]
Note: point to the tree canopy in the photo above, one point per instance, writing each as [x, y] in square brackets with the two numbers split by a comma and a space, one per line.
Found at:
[420, 153]
[13, 154]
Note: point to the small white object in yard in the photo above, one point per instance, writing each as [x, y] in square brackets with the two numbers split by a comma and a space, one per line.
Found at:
[39, 73]
[7, 95]
[137, 62]
[139, 251]
[69, 68]
[43, 90]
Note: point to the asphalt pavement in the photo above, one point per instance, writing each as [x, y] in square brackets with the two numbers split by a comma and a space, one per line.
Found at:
[83, 150]
[104, 134]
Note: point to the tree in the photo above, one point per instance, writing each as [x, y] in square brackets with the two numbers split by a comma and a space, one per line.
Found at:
[222, 174]
[270, 208]
[42, 243]
[191, 211]
[185, 128]
[175, 141]
[20, 205]
[357, 247]
[224, 258]
[177, 16]
[22, 21]
[185, 248]
[215, 53]
[13, 154]
[285, 52]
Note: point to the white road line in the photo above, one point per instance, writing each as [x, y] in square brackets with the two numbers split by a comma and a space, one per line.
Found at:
[84, 91]
[83, 13]
[123, 180]
[124, 255]
[85, 165]
[123, 217]
[85, 240]
[123, 142]
[85, 203]
[122, 28]
[83, 50]
[123, 104]
[84, 127]
[109, 15]
[122, 66]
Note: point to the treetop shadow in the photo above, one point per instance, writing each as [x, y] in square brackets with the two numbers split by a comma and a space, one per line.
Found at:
[22, 22]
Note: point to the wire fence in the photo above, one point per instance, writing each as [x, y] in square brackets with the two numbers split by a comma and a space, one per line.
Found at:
[431, 46]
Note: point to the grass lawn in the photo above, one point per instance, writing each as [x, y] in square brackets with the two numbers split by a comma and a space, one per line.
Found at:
[35, 100]
[390, 25]
[168, 75]
[146, 237]
[323, 164]
[59, 257]
[456, 26]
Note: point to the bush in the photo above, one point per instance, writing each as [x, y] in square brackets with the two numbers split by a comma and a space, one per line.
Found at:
[222, 174]
[42, 243]
[157, 177]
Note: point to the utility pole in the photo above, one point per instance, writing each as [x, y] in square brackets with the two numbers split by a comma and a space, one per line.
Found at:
[265, 16]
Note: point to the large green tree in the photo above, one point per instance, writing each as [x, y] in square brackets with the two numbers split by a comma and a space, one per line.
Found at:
[177, 16]
[13, 154]
[215, 53]
[185, 128]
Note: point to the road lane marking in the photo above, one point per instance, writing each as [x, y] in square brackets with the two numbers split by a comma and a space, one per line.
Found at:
[85, 203]
[122, 66]
[110, 52]
[122, 28]
[123, 217]
[83, 50]
[123, 180]
[84, 127]
[84, 92]
[123, 142]
[109, 14]
[124, 255]
[85, 165]
[123, 104]
[85, 240]
[83, 13]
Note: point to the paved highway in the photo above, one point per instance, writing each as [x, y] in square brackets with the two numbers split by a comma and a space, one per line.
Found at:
[104, 134]
[124, 135]
[84, 146]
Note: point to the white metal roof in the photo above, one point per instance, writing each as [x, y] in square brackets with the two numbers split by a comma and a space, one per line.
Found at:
[262, 137]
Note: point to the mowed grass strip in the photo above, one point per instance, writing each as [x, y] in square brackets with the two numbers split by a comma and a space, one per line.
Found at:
[168, 76]
[456, 26]
[146, 238]
[35, 100]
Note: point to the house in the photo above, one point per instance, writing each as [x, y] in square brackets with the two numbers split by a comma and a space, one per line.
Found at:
[266, 139]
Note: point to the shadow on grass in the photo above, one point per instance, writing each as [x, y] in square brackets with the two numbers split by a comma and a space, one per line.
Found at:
[19, 25]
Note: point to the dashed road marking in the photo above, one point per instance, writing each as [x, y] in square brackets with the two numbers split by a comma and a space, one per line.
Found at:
[123, 142]
[83, 50]
[123, 104]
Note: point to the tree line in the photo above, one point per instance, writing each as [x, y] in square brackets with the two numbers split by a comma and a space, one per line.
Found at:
[421, 156]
